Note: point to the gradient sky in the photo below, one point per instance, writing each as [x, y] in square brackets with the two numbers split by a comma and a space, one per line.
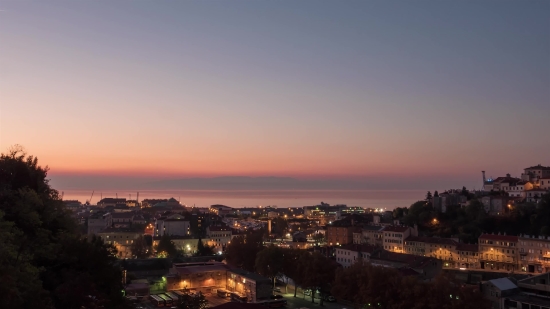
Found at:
[307, 89]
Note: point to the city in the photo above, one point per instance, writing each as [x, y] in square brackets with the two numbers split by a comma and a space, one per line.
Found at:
[275, 154]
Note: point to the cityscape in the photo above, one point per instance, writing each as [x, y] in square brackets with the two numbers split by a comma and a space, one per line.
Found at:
[275, 154]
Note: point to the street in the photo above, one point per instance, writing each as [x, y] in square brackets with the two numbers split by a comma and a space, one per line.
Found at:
[300, 302]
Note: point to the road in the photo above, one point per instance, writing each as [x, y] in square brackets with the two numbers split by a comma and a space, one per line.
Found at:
[302, 301]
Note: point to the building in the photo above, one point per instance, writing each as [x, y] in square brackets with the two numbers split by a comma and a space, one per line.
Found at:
[221, 210]
[426, 267]
[121, 238]
[498, 252]
[186, 244]
[369, 234]
[253, 286]
[534, 254]
[497, 290]
[393, 237]
[534, 293]
[495, 205]
[218, 237]
[444, 249]
[468, 255]
[348, 254]
[197, 276]
[108, 201]
[535, 173]
[340, 234]
[121, 219]
[173, 225]
[72, 205]
[99, 221]
[534, 195]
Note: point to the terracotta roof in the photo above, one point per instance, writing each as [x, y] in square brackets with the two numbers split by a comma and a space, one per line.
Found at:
[359, 248]
[393, 228]
[499, 237]
[468, 247]
[433, 240]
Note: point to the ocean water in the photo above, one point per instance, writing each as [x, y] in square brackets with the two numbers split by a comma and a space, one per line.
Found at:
[388, 199]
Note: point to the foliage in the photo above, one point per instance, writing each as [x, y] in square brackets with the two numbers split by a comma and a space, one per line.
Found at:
[279, 226]
[193, 302]
[139, 248]
[379, 287]
[166, 247]
[319, 273]
[242, 250]
[204, 250]
[269, 262]
[44, 262]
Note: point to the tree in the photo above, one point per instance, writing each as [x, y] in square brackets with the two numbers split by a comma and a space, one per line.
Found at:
[139, 248]
[166, 247]
[269, 262]
[193, 302]
[436, 194]
[44, 261]
[319, 273]
[242, 250]
[429, 196]
[204, 250]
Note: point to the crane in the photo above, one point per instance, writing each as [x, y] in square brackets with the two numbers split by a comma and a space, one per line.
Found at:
[89, 202]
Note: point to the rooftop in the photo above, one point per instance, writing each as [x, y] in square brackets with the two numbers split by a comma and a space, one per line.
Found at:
[249, 275]
[433, 240]
[499, 237]
[538, 167]
[394, 228]
[195, 268]
[467, 247]
[503, 284]
[359, 248]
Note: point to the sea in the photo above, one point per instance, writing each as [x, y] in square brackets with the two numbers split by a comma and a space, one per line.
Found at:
[379, 199]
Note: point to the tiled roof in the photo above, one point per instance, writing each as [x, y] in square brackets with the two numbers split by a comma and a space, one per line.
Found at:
[393, 228]
[433, 240]
[499, 237]
[359, 248]
[468, 247]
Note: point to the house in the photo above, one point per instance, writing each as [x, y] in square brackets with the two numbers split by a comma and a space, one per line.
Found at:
[534, 293]
[468, 255]
[498, 252]
[393, 237]
[494, 205]
[121, 219]
[186, 244]
[497, 290]
[534, 195]
[222, 210]
[444, 249]
[369, 234]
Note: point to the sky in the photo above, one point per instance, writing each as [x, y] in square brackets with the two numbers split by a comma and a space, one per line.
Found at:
[399, 93]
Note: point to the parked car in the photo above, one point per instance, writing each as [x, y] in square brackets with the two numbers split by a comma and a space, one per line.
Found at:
[307, 292]
[277, 289]
[330, 298]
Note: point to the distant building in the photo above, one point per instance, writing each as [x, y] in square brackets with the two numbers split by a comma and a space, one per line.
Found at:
[222, 210]
[108, 201]
[218, 237]
[534, 254]
[393, 237]
[99, 221]
[426, 267]
[173, 225]
[498, 252]
[121, 238]
[497, 289]
[347, 255]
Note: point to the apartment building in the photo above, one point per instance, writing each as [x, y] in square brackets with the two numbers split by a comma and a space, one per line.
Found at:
[348, 254]
[369, 234]
[111, 202]
[174, 225]
[498, 252]
[393, 237]
[99, 221]
[218, 237]
[534, 254]
[468, 255]
[121, 238]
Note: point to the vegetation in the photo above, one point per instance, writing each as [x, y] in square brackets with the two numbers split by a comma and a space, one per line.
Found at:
[243, 249]
[45, 262]
[166, 247]
[269, 262]
[468, 223]
[204, 250]
[378, 287]
[139, 248]
[193, 302]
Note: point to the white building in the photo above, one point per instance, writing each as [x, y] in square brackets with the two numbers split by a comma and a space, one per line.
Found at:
[218, 237]
[98, 222]
[174, 225]
[348, 254]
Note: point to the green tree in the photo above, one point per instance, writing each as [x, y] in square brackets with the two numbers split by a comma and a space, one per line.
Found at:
[269, 262]
[429, 196]
[166, 247]
[44, 261]
[319, 273]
